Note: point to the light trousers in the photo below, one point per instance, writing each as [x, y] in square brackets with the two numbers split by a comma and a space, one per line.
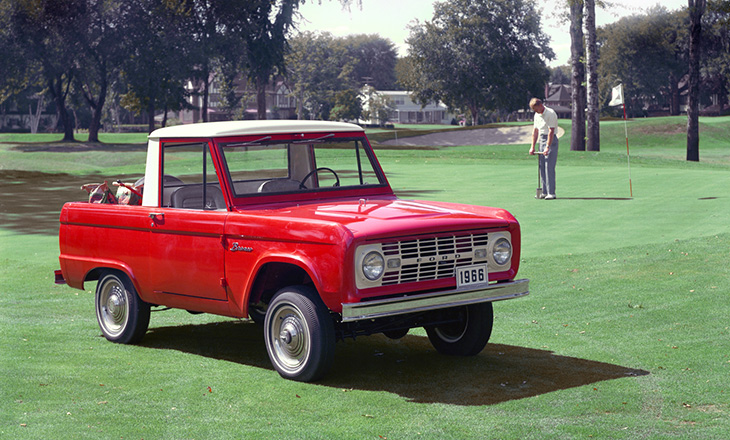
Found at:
[547, 164]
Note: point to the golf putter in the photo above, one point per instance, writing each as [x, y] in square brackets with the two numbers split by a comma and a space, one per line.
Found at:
[538, 193]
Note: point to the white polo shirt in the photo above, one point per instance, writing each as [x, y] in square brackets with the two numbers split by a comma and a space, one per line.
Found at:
[545, 121]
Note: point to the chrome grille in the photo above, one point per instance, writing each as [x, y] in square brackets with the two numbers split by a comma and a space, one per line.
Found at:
[431, 258]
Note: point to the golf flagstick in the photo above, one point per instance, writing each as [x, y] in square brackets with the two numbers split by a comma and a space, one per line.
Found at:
[617, 98]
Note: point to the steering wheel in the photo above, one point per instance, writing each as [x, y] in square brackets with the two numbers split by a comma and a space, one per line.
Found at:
[309, 174]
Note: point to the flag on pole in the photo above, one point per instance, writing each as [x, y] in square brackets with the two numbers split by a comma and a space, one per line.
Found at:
[617, 96]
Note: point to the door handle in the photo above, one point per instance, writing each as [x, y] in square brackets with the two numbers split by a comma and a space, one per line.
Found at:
[156, 217]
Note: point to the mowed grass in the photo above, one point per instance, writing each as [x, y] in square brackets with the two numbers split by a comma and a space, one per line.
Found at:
[626, 332]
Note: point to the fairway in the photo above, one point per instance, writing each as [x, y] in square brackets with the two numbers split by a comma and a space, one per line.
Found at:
[625, 333]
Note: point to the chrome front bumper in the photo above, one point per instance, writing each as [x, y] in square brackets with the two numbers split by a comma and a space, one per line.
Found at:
[433, 301]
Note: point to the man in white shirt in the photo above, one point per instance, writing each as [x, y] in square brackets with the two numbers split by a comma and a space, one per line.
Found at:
[545, 127]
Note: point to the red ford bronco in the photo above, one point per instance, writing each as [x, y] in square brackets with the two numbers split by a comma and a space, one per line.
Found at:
[294, 225]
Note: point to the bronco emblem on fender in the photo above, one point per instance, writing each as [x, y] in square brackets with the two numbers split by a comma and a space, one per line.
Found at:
[236, 248]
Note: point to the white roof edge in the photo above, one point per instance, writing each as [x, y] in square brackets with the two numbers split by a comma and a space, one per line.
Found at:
[236, 128]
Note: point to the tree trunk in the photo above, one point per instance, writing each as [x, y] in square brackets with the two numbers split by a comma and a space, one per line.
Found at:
[673, 95]
[35, 119]
[474, 110]
[151, 115]
[206, 96]
[261, 99]
[55, 85]
[578, 134]
[97, 108]
[696, 9]
[594, 109]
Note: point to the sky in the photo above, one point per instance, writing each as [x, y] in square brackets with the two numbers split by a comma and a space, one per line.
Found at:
[390, 19]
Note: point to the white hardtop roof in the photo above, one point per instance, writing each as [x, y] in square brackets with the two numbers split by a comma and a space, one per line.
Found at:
[238, 128]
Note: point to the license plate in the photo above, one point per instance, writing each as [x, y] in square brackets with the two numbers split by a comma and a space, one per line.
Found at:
[472, 275]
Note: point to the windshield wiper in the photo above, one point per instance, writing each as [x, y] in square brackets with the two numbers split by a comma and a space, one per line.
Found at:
[245, 144]
[309, 141]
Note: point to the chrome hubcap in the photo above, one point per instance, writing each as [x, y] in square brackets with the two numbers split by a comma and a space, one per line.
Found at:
[114, 307]
[289, 338]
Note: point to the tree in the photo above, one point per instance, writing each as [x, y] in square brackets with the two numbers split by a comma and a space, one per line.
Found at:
[716, 52]
[593, 115]
[374, 60]
[266, 43]
[696, 9]
[560, 75]
[578, 98]
[101, 36]
[158, 61]
[646, 54]
[318, 66]
[348, 106]
[42, 34]
[478, 55]
[218, 32]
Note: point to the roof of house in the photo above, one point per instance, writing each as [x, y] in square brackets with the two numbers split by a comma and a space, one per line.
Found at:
[559, 93]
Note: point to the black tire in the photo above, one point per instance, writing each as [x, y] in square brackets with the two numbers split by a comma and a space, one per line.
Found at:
[257, 315]
[396, 334]
[299, 334]
[122, 316]
[466, 337]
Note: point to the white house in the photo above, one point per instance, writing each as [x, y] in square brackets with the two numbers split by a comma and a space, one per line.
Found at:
[409, 112]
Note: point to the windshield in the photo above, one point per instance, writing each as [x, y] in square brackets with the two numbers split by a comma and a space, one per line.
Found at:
[325, 163]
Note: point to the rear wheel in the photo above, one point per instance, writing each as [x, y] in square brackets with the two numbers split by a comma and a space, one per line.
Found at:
[299, 334]
[122, 316]
[468, 334]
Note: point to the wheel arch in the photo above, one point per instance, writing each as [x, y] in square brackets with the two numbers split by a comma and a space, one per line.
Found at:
[273, 275]
[95, 273]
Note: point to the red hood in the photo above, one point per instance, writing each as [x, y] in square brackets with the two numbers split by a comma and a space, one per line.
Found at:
[390, 216]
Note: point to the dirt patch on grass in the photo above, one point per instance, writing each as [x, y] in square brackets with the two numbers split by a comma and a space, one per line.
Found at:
[74, 147]
[31, 201]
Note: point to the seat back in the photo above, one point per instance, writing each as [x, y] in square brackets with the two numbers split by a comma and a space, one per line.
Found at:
[279, 185]
[191, 197]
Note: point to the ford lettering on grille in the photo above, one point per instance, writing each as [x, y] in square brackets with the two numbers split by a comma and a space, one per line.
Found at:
[432, 258]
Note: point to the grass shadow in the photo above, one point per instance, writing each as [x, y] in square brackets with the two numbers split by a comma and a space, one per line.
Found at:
[595, 198]
[409, 367]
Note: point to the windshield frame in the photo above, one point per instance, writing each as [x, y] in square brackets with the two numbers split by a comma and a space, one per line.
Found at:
[302, 140]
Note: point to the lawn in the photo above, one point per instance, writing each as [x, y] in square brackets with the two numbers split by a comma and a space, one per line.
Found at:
[625, 334]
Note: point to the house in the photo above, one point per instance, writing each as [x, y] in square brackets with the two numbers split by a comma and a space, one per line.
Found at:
[280, 104]
[406, 111]
[37, 116]
[557, 97]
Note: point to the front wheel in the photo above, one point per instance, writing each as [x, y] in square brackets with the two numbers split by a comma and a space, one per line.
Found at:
[122, 316]
[299, 334]
[467, 335]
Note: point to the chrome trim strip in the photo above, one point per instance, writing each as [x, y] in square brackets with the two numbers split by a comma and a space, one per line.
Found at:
[433, 301]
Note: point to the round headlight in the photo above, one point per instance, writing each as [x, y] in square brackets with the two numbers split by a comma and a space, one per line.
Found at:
[373, 265]
[502, 251]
